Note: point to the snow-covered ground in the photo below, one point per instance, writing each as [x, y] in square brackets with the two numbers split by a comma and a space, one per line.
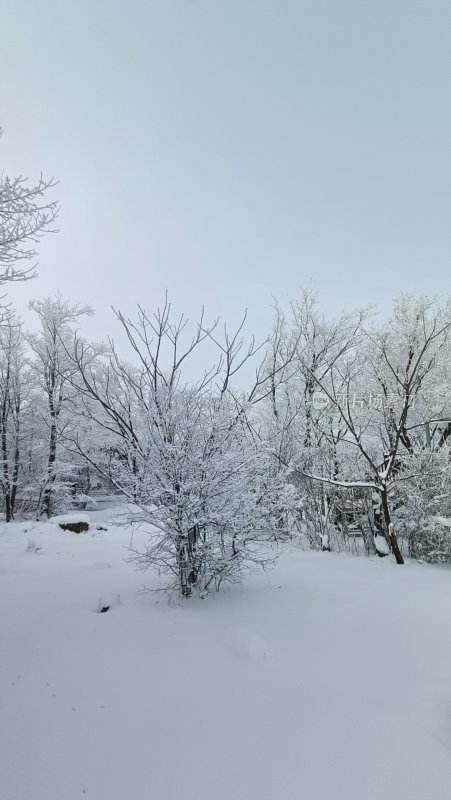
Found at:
[327, 679]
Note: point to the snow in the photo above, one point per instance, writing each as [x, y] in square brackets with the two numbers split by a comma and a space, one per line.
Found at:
[327, 678]
[445, 521]
[381, 544]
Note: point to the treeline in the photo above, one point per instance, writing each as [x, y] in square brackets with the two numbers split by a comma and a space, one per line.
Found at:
[341, 441]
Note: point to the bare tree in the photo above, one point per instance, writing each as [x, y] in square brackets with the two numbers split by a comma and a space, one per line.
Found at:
[54, 367]
[398, 359]
[184, 453]
[299, 431]
[25, 215]
[12, 365]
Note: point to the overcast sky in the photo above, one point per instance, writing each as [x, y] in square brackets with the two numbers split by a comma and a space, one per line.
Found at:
[231, 150]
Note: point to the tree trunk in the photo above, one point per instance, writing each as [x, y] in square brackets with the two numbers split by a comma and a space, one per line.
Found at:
[183, 567]
[8, 516]
[378, 524]
[47, 502]
[6, 481]
[390, 535]
[188, 567]
[15, 473]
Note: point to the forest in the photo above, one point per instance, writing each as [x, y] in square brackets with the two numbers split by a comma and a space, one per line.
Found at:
[341, 440]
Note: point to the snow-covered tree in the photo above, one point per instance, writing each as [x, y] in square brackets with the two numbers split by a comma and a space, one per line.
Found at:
[372, 392]
[300, 431]
[184, 453]
[12, 371]
[54, 366]
[26, 214]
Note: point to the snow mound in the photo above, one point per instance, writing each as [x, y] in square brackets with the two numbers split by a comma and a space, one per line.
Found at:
[33, 547]
[86, 502]
[108, 601]
[247, 644]
[381, 545]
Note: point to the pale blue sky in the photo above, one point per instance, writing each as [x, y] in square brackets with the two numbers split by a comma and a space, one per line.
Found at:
[229, 151]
